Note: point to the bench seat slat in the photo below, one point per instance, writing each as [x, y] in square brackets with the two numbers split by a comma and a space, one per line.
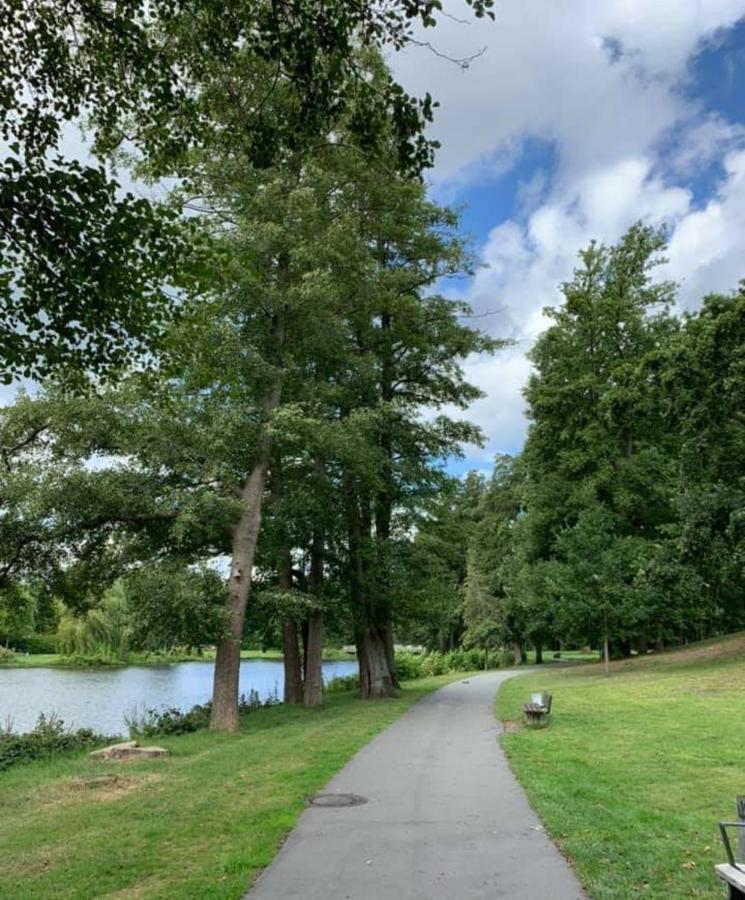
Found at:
[731, 875]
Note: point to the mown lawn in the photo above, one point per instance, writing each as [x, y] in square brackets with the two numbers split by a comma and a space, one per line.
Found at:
[636, 770]
[200, 824]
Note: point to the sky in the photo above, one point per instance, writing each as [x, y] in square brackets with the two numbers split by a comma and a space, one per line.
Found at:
[579, 118]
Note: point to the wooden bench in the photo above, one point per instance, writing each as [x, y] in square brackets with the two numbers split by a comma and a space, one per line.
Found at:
[538, 710]
[734, 878]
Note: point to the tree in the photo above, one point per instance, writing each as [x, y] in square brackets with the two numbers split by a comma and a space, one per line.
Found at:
[433, 573]
[82, 265]
[702, 375]
[599, 453]
[492, 616]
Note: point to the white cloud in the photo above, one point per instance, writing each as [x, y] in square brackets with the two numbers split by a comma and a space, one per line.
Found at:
[602, 82]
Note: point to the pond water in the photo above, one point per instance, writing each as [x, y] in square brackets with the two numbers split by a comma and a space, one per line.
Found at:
[101, 698]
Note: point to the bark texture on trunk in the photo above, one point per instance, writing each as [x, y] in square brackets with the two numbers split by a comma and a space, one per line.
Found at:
[313, 692]
[375, 675]
[606, 654]
[372, 636]
[390, 652]
[538, 650]
[517, 650]
[293, 692]
[244, 537]
[224, 716]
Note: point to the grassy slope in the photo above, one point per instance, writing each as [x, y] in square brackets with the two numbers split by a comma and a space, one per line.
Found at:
[198, 825]
[636, 770]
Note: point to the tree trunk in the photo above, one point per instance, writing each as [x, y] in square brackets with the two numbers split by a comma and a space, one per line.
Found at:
[517, 650]
[313, 692]
[390, 652]
[371, 639]
[244, 536]
[293, 693]
[606, 653]
[538, 650]
[375, 675]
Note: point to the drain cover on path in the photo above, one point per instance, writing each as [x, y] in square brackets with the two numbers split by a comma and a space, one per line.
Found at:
[337, 800]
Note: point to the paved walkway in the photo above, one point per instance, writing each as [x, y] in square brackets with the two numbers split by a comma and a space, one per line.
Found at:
[444, 819]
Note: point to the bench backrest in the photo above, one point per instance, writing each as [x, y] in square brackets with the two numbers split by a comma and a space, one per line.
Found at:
[542, 699]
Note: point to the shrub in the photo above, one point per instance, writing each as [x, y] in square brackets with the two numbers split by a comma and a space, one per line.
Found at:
[152, 722]
[31, 643]
[507, 659]
[6, 654]
[411, 666]
[48, 738]
[39, 643]
[342, 684]
[408, 666]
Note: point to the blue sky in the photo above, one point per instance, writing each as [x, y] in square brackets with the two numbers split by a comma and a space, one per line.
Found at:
[578, 119]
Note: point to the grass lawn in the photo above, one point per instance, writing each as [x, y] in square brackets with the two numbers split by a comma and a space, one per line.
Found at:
[200, 824]
[636, 770]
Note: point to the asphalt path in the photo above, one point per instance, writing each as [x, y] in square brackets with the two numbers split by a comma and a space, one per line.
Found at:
[443, 817]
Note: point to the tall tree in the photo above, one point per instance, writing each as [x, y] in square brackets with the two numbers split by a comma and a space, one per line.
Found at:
[598, 454]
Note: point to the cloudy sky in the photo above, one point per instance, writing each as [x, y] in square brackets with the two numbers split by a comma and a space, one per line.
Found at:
[579, 118]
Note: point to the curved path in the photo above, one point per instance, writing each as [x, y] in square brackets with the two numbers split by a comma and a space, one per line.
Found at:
[445, 817]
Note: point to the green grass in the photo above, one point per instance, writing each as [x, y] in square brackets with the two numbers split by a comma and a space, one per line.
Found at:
[200, 824]
[636, 770]
[35, 660]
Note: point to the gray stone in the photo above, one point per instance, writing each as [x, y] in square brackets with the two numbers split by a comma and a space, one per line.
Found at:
[129, 750]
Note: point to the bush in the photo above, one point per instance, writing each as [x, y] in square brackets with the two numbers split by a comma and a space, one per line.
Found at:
[342, 684]
[506, 659]
[48, 738]
[32, 643]
[6, 654]
[410, 665]
[40, 643]
[152, 722]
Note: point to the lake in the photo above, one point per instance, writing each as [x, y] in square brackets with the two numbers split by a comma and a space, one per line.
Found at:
[100, 698]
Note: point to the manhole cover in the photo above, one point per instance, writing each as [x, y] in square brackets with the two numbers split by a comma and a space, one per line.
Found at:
[337, 800]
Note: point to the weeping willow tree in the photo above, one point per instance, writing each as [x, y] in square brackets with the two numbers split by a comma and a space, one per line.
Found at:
[102, 631]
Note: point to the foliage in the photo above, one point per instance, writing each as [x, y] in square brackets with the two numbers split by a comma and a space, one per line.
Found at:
[343, 684]
[425, 665]
[32, 643]
[169, 606]
[621, 521]
[48, 738]
[82, 264]
[104, 631]
[152, 722]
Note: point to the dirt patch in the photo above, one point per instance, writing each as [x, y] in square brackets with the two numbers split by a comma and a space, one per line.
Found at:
[65, 793]
[512, 726]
